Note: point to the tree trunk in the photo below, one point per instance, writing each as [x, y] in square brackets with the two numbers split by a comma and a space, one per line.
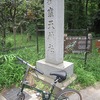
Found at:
[87, 6]
[3, 41]
[21, 34]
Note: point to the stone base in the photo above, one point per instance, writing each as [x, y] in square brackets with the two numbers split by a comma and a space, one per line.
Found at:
[1, 97]
[59, 86]
[47, 68]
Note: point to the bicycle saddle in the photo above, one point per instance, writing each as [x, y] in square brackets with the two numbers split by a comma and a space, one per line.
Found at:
[61, 75]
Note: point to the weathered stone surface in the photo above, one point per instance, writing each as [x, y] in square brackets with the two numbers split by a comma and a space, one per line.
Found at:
[54, 31]
[54, 40]
[47, 68]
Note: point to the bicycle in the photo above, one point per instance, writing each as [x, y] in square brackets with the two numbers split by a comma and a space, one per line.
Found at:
[66, 94]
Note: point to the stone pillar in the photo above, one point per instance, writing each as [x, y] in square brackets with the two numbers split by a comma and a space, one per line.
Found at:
[54, 39]
[54, 31]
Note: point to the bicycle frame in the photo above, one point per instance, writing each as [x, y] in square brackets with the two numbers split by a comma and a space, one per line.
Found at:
[45, 95]
[33, 88]
[60, 77]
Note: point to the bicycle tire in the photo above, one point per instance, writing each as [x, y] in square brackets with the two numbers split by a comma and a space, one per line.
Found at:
[20, 96]
[69, 94]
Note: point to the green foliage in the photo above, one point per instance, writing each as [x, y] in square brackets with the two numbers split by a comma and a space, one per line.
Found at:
[9, 42]
[10, 71]
[86, 74]
[31, 28]
[37, 7]
[86, 78]
[81, 14]
[42, 85]
[30, 54]
[75, 16]
[96, 26]
[9, 45]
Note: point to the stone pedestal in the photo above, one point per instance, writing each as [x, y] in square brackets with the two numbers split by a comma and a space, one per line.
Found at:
[59, 86]
[47, 68]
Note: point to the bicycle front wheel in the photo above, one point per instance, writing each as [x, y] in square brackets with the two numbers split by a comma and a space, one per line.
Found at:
[70, 94]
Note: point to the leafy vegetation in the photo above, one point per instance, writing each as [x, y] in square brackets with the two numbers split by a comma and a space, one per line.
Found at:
[15, 14]
[86, 74]
[11, 71]
[21, 17]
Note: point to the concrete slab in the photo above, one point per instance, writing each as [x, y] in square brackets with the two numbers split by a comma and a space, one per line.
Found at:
[1, 97]
[47, 68]
[12, 94]
[59, 86]
[91, 93]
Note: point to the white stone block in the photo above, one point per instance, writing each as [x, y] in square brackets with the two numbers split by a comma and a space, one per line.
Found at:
[47, 68]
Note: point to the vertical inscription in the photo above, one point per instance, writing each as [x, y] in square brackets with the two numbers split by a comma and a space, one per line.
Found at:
[49, 2]
[50, 12]
[50, 27]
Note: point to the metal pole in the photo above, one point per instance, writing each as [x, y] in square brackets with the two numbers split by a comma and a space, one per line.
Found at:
[37, 37]
[86, 50]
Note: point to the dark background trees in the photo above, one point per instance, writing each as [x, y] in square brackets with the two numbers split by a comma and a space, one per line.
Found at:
[16, 15]
[79, 14]
[82, 14]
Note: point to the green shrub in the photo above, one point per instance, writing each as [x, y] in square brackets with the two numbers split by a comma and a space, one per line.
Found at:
[9, 42]
[9, 45]
[10, 72]
[86, 78]
[86, 74]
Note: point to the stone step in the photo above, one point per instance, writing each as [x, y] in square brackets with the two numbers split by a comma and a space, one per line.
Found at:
[12, 94]
[59, 86]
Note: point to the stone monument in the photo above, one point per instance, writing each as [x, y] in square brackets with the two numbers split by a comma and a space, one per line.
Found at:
[54, 39]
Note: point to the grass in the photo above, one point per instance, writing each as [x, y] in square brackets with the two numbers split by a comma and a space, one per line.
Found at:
[11, 72]
[86, 74]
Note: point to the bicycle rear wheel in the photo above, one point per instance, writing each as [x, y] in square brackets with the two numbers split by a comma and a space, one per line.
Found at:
[69, 94]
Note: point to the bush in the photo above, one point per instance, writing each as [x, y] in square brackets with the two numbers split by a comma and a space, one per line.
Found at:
[85, 78]
[9, 45]
[9, 42]
[10, 72]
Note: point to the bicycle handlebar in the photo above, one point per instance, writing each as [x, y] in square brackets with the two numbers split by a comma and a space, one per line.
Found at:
[33, 67]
